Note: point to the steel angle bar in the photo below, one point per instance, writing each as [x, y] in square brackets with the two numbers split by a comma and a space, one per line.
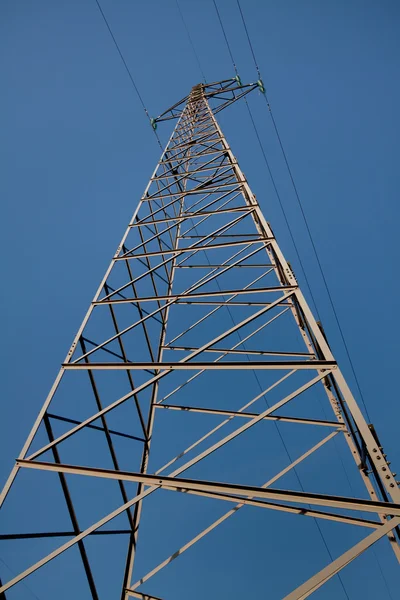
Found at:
[200, 189]
[226, 439]
[205, 279]
[247, 415]
[59, 377]
[231, 512]
[247, 425]
[71, 542]
[159, 309]
[185, 215]
[214, 94]
[158, 221]
[141, 478]
[229, 351]
[175, 154]
[172, 366]
[228, 301]
[250, 501]
[220, 425]
[149, 272]
[237, 292]
[50, 534]
[203, 177]
[142, 596]
[184, 174]
[158, 376]
[197, 178]
[215, 233]
[203, 169]
[112, 431]
[205, 197]
[217, 303]
[209, 90]
[310, 586]
[223, 235]
[152, 212]
[130, 560]
[239, 343]
[192, 249]
[232, 194]
[289, 508]
[204, 140]
[217, 212]
[183, 484]
[181, 219]
[211, 266]
[180, 157]
[226, 264]
[72, 513]
[155, 236]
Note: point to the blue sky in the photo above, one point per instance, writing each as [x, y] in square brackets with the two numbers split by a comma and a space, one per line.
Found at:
[77, 152]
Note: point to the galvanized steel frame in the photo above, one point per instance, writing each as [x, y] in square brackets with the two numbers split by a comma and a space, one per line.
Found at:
[217, 185]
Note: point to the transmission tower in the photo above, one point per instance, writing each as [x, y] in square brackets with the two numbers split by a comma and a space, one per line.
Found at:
[197, 359]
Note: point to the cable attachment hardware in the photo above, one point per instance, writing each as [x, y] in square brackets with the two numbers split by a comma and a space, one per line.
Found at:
[153, 123]
[261, 86]
[237, 78]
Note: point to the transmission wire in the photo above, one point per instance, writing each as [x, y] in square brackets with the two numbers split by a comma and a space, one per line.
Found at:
[127, 69]
[306, 224]
[190, 41]
[225, 36]
[269, 168]
[283, 210]
[23, 582]
[275, 188]
[319, 264]
[280, 434]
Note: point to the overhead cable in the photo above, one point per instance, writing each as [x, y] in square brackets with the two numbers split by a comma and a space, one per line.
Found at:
[283, 442]
[127, 70]
[306, 223]
[190, 41]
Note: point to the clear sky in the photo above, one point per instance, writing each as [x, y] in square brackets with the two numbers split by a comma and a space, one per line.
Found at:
[77, 151]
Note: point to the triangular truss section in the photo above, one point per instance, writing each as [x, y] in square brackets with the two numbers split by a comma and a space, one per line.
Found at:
[198, 347]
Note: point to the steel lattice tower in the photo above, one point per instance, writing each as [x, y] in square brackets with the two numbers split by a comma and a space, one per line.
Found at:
[197, 307]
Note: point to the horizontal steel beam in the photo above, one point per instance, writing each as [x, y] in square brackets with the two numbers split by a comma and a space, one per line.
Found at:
[235, 351]
[189, 295]
[184, 485]
[247, 415]
[190, 366]
[194, 249]
[51, 534]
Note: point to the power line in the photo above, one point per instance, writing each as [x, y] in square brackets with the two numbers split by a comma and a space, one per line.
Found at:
[248, 39]
[190, 41]
[319, 264]
[127, 69]
[275, 188]
[23, 582]
[280, 435]
[282, 209]
[225, 36]
[267, 163]
[265, 156]
[306, 224]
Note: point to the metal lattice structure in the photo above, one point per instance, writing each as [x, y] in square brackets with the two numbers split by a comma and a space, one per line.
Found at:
[197, 308]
